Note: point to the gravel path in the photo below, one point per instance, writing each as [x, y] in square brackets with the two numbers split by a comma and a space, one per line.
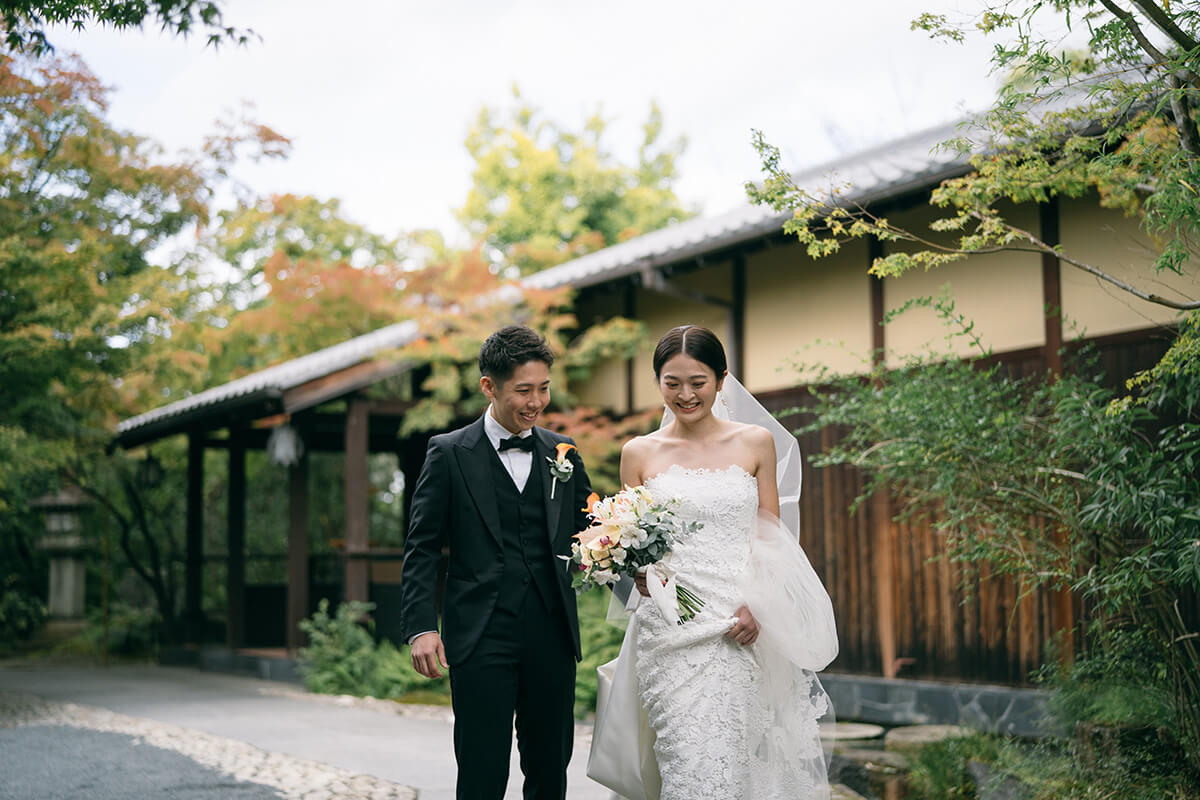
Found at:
[245, 731]
[50, 749]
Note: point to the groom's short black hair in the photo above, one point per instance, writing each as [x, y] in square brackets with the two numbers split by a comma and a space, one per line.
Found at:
[509, 348]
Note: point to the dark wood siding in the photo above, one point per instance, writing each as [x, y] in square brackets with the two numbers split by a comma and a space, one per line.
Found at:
[984, 629]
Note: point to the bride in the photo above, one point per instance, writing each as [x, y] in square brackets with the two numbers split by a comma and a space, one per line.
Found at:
[728, 701]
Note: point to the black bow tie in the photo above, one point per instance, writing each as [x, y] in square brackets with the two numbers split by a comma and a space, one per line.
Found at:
[520, 442]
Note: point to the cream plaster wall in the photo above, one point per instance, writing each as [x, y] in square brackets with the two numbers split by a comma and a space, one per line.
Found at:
[818, 313]
[1114, 243]
[802, 315]
[1000, 292]
[605, 388]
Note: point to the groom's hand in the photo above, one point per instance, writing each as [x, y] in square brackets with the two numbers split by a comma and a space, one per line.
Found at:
[427, 653]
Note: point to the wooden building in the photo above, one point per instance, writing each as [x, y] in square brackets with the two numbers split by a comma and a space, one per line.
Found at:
[900, 611]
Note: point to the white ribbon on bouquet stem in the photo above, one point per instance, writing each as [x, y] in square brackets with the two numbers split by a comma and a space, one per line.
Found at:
[664, 590]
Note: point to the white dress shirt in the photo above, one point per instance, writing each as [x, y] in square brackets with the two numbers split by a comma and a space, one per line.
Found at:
[516, 462]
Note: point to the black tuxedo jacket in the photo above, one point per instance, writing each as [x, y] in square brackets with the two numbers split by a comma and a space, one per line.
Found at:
[454, 506]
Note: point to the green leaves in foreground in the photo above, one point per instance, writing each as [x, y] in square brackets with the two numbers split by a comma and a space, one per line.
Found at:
[1055, 482]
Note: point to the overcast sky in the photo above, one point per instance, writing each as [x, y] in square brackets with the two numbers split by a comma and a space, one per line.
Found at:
[377, 96]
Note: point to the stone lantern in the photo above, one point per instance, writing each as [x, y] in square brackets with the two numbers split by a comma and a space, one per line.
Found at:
[64, 543]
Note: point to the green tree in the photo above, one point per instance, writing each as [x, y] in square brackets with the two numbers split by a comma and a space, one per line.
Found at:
[299, 277]
[1042, 481]
[86, 316]
[25, 21]
[543, 194]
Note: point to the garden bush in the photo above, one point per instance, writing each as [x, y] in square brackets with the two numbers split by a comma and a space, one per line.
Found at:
[343, 657]
[21, 614]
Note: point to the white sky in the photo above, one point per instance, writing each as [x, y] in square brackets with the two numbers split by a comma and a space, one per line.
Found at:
[377, 96]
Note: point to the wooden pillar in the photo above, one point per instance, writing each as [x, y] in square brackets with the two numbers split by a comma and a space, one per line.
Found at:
[1062, 607]
[630, 363]
[880, 505]
[193, 571]
[737, 319]
[356, 587]
[235, 574]
[874, 251]
[297, 594]
[1051, 287]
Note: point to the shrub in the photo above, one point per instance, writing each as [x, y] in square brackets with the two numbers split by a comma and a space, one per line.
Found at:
[342, 657]
[939, 770]
[21, 614]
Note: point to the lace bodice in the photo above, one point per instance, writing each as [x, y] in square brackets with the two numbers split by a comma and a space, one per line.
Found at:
[725, 502]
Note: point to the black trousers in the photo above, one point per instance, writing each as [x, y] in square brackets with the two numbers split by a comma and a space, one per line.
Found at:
[524, 665]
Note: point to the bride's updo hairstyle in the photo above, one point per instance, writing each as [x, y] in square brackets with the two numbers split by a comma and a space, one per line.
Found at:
[695, 342]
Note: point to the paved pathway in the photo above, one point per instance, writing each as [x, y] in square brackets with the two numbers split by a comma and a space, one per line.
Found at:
[252, 739]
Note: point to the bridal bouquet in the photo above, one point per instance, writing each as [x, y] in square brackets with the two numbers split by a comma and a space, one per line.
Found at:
[631, 532]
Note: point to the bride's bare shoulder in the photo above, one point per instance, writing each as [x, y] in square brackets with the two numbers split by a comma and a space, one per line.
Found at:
[754, 434]
[634, 447]
[640, 444]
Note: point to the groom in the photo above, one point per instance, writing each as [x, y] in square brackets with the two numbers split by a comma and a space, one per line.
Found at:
[510, 634]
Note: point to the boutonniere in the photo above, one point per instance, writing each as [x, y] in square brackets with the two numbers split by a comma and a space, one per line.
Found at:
[561, 468]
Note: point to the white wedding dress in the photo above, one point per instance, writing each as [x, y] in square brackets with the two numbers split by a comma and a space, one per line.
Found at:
[730, 722]
[684, 713]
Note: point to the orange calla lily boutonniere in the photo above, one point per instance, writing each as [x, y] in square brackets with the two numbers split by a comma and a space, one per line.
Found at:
[561, 468]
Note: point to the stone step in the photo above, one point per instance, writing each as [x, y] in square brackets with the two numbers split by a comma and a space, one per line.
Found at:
[910, 738]
[844, 731]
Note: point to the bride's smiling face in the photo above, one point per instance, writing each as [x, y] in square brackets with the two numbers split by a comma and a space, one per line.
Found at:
[689, 387]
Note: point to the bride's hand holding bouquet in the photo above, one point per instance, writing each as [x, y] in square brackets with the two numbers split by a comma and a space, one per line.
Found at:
[632, 533]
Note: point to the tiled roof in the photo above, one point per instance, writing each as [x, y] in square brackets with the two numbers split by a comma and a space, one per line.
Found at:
[890, 169]
[885, 171]
[274, 381]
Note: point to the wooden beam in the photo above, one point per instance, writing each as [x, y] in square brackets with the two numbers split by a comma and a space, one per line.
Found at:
[654, 280]
[630, 363]
[737, 318]
[297, 592]
[1051, 287]
[880, 505]
[1062, 604]
[878, 341]
[356, 587]
[235, 573]
[193, 571]
[339, 383]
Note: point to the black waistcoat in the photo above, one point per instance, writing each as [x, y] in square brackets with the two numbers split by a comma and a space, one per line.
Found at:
[527, 556]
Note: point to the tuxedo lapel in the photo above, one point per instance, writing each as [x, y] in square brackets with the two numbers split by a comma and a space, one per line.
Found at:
[543, 449]
[474, 457]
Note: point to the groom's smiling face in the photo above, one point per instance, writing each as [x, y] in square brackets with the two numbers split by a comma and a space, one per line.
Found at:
[518, 401]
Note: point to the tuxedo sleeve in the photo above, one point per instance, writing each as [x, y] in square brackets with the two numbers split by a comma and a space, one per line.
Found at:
[424, 543]
[583, 488]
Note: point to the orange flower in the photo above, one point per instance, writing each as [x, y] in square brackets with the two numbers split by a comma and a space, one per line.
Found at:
[592, 499]
[560, 452]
